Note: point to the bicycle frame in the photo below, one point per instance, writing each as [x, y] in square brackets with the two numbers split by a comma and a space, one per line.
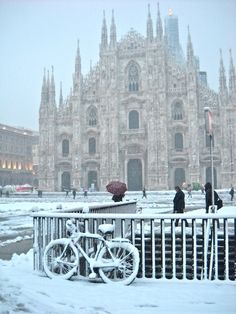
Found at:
[93, 261]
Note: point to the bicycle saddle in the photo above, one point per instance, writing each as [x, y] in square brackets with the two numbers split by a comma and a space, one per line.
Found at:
[106, 228]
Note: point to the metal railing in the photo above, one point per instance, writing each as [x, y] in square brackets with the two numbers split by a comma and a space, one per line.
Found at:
[205, 250]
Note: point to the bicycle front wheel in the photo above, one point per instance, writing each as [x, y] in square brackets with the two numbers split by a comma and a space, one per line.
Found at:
[126, 263]
[60, 259]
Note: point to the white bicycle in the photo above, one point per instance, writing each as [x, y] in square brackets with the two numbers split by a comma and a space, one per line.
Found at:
[114, 260]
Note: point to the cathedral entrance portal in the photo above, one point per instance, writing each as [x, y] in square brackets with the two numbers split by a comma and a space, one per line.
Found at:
[92, 179]
[179, 177]
[134, 174]
[65, 181]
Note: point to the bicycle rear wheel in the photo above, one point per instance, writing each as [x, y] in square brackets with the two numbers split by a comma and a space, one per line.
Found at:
[60, 259]
[126, 257]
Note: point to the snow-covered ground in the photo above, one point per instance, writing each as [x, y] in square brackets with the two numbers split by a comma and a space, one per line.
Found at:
[21, 290]
[24, 291]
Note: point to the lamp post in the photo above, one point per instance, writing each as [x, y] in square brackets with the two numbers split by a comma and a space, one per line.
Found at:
[209, 132]
[231, 150]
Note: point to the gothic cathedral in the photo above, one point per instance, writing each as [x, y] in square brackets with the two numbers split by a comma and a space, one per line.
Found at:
[138, 117]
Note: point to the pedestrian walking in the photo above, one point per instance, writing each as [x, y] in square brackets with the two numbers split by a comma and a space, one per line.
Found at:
[208, 197]
[189, 189]
[144, 193]
[179, 204]
[202, 189]
[74, 194]
[231, 192]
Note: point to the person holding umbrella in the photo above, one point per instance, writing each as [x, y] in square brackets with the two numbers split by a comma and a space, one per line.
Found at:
[118, 198]
[118, 190]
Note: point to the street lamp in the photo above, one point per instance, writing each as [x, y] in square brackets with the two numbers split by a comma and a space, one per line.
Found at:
[209, 132]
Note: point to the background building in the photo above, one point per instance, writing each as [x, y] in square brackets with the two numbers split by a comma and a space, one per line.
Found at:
[16, 156]
[138, 117]
[172, 37]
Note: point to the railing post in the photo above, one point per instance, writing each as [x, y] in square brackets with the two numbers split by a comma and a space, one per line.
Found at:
[163, 249]
[142, 247]
[194, 249]
[153, 249]
[173, 246]
[183, 225]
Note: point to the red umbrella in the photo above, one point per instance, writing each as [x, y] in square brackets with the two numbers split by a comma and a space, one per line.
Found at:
[116, 187]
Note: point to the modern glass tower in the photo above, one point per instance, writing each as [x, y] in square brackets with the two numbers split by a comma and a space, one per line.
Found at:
[172, 36]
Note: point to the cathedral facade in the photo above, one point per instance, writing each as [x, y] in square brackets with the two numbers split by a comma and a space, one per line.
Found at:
[138, 117]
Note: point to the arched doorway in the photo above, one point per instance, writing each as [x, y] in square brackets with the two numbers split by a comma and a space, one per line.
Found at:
[179, 177]
[134, 172]
[92, 179]
[65, 181]
[208, 176]
[35, 183]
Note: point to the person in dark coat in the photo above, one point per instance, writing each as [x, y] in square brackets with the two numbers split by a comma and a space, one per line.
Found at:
[118, 198]
[179, 203]
[231, 192]
[85, 192]
[74, 194]
[144, 193]
[208, 196]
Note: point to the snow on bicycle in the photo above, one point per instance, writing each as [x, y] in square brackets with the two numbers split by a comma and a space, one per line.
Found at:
[111, 259]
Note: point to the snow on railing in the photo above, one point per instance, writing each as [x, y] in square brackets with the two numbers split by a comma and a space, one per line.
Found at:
[203, 250]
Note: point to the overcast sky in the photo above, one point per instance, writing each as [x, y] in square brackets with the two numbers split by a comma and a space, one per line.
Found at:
[36, 34]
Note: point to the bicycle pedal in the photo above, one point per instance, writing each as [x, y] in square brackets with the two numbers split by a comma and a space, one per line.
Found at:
[92, 276]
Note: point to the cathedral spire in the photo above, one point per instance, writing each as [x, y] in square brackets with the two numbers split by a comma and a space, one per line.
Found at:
[159, 29]
[52, 89]
[190, 53]
[222, 78]
[61, 97]
[44, 89]
[149, 26]
[47, 87]
[232, 76]
[113, 32]
[52, 80]
[77, 74]
[77, 61]
[104, 34]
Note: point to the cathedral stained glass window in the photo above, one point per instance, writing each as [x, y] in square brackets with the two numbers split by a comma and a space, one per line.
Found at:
[65, 148]
[92, 116]
[133, 78]
[178, 141]
[133, 119]
[177, 112]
